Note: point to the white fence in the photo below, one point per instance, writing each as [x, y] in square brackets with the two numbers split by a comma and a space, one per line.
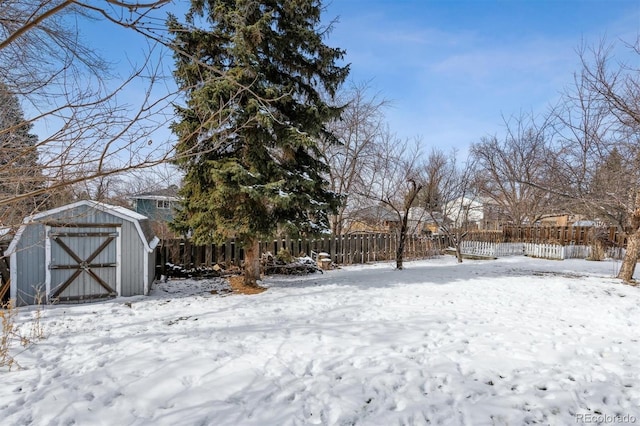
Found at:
[545, 251]
[492, 249]
[576, 252]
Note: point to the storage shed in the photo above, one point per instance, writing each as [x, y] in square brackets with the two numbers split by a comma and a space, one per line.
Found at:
[81, 252]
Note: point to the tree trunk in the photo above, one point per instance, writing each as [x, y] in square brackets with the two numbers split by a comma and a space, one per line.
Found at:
[4, 270]
[631, 256]
[402, 236]
[458, 253]
[402, 233]
[334, 225]
[457, 244]
[251, 263]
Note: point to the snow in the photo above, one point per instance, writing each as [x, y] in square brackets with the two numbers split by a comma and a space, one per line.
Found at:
[505, 342]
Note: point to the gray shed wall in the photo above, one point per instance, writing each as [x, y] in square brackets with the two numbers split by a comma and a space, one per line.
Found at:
[30, 265]
[30, 254]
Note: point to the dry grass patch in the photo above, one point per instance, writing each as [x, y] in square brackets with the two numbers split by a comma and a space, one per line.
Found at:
[237, 286]
[11, 333]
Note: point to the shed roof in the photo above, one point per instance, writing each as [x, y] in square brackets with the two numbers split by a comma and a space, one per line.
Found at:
[141, 222]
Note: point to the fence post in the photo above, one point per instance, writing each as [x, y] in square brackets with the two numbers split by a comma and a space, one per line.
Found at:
[227, 252]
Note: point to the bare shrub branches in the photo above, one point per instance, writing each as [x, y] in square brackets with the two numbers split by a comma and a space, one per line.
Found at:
[350, 160]
[508, 167]
[450, 197]
[91, 123]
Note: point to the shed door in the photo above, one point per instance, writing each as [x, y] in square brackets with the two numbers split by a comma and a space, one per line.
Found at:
[83, 262]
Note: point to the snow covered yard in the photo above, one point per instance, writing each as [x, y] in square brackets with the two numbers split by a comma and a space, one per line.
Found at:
[505, 342]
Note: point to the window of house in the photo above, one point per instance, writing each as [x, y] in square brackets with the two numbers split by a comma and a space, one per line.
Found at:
[163, 204]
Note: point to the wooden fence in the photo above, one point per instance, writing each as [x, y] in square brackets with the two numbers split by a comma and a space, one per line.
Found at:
[561, 235]
[344, 249]
[552, 241]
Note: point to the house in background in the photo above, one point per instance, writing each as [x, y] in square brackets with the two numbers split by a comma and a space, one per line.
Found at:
[493, 215]
[567, 219]
[384, 219]
[465, 212]
[560, 219]
[159, 205]
[432, 223]
[378, 218]
[421, 221]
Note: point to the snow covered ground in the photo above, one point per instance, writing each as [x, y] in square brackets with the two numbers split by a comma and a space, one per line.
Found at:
[507, 342]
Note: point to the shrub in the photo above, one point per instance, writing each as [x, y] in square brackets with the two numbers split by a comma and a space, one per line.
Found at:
[10, 332]
[284, 256]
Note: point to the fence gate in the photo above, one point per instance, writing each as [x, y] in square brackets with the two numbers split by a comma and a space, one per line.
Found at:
[82, 261]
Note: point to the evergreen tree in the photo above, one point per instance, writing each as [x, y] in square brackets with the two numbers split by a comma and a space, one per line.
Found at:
[247, 138]
[20, 172]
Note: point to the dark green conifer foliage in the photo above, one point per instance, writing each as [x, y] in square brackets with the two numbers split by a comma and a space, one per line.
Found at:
[20, 172]
[253, 71]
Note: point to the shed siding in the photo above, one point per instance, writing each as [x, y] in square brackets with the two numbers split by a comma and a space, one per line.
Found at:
[31, 266]
[30, 253]
[132, 266]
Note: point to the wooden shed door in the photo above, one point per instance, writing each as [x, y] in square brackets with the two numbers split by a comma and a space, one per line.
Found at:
[83, 262]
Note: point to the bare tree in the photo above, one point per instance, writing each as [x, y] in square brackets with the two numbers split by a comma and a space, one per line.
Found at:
[507, 167]
[597, 154]
[395, 181]
[67, 90]
[117, 189]
[350, 160]
[449, 196]
[90, 127]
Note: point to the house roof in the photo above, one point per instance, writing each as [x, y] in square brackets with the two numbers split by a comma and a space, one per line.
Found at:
[376, 213]
[141, 222]
[170, 194]
[438, 218]
[584, 223]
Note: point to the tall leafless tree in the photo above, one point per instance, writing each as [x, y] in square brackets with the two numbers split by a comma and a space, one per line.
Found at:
[396, 181]
[507, 167]
[597, 154]
[350, 161]
[449, 197]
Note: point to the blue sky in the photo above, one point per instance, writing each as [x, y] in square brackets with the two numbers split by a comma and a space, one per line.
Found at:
[452, 69]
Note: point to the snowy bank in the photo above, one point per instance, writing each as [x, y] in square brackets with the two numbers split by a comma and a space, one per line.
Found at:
[512, 341]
